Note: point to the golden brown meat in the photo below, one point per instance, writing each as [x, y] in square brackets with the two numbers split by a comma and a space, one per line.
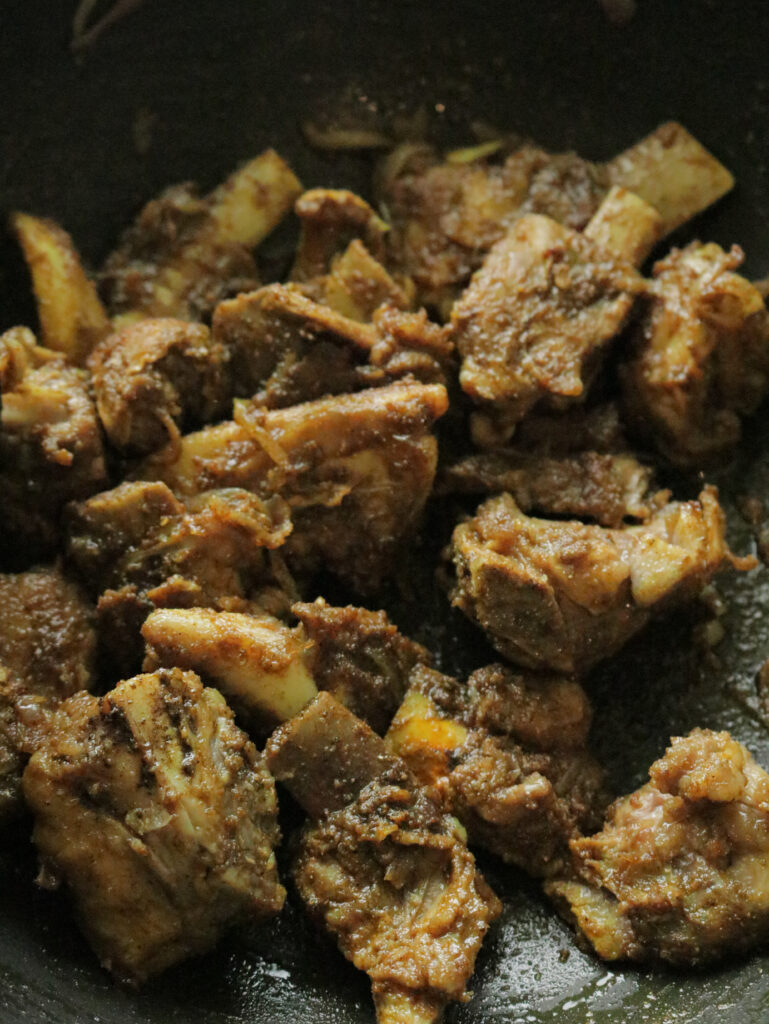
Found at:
[534, 324]
[701, 359]
[507, 752]
[137, 547]
[156, 378]
[446, 215]
[356, 471]
[680, 872]
[595, 428]
[285, 348]
[270, 671]
[606, 488]
[184, 254]
[331, 219]
[47, 645]
[72, 319]
[383, 867]
[357, 285]
[263, 667]
[159, 816]
[360, 658]
[51, 449]
[565, 595]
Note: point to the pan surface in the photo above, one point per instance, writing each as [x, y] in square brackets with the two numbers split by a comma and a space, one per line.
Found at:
[180, 90]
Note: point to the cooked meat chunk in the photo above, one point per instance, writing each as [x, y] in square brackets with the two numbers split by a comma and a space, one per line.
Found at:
[155, 378]
[360, 657]
[384, 867]
[47, 647]
[679, 872]
[285, 348]
[270, 671]
[507, 752]
[595, 428]
[159, 816]
[701, 359]
[46, 633]
[357, 285]
[264, 668]
[184, 254]
[72, 319]
[607, 488]
[50, 444]
[446, 216]
[565, 595]
[356, 471]
[331, 219]
[535, 322]
[140, 548]
[673, 172]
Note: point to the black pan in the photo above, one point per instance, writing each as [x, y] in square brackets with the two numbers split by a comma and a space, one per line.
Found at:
[185, 89]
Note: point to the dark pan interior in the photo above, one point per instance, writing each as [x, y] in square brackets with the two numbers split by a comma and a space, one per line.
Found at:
[181, 90]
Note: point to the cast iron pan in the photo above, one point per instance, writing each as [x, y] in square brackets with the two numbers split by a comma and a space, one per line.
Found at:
[211, 82]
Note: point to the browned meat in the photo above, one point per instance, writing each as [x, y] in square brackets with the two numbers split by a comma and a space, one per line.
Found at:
[446, 215]
[360, 658]
[596, 428]
[155, 378]
[286, 348]
[159, 816]
[331, 219]
[185, 254]
[384, 867]
[269, 671]
[701, 359]
[680, 872]
[607, 488]
[534, 324]
[565, 595]
[508, 754]
[356, 471]
[50, 443]
[47, 645]
[140, 548]
[357, 285]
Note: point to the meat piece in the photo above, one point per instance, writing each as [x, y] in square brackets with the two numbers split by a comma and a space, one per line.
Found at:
[331, 219]
[270, 671]
[264, 668]
[155, 378]
[360, 657]
[606, 488]
[680, 871]
[446, 215]
[564, 595]
[137, 547]
[356, 471]
[159, 816]
[701, 356]
[47, 648]
[184, 254]
[51, 448]
[357, 285]
[72, 319]
[596, 428]
[507, 751]
[535, 322]
[285, 348]
[673, 172]
[383, 867]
